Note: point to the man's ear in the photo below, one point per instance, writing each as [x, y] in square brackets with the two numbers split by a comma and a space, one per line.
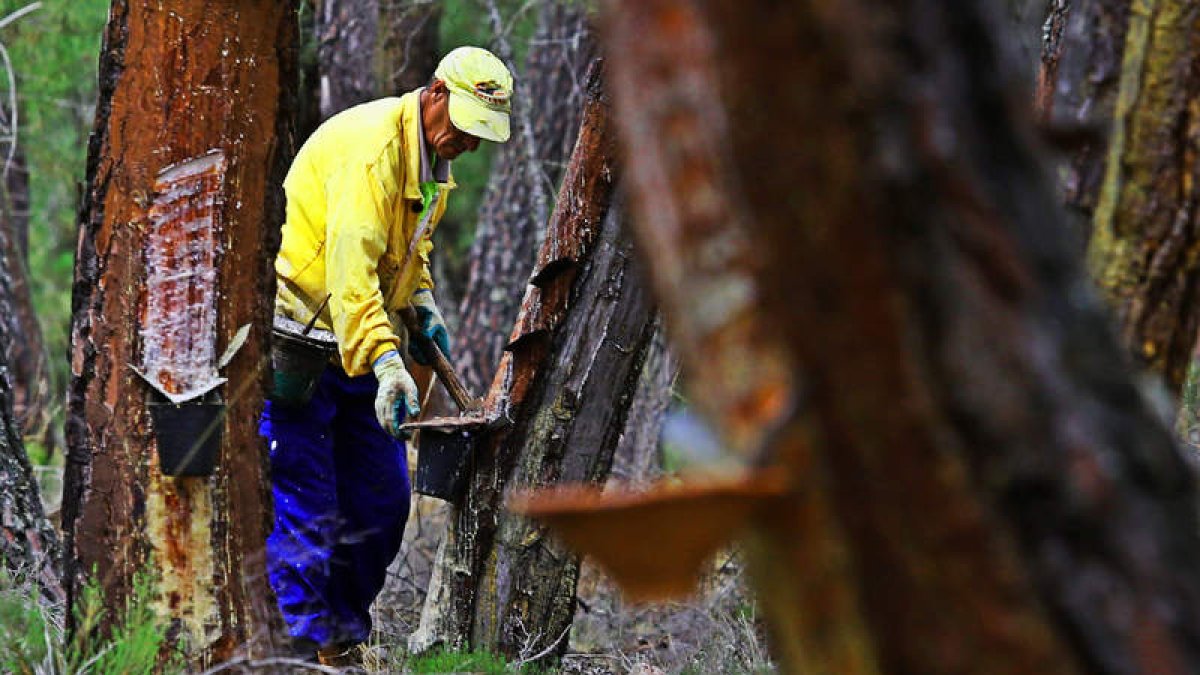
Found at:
[438, 87]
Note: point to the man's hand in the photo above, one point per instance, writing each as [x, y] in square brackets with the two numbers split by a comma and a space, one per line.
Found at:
[432, 325]
[397, 397]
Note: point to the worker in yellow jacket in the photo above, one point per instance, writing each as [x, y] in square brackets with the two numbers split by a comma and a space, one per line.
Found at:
[364, 196]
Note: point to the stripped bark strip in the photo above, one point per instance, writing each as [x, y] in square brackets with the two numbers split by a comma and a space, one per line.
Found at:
[1145, 246]
[177, 79]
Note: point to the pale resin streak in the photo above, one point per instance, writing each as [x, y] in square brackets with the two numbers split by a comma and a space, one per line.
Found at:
[179, 302]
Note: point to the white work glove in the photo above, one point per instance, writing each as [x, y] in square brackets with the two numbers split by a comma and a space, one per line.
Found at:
[396, 389]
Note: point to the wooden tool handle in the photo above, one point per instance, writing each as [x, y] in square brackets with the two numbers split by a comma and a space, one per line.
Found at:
[445, 372]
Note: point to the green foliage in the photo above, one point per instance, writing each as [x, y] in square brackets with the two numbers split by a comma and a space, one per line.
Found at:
[33, 639]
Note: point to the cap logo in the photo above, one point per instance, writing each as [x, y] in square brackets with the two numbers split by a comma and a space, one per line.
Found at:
[491, 93]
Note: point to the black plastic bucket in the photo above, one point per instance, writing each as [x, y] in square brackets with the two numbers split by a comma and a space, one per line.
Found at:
[188, 434]
[443, 463]
[297, 360]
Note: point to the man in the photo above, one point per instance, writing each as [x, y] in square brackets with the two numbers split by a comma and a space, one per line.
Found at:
[364, 195]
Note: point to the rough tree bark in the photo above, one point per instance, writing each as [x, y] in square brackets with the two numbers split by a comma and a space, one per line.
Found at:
[566, 381]
[184, 84]
[25, 353]
[1077, 93]
[506, 238]
[1146, 228]
[368, 49]
[637, 458]
[29, 544]
[979, 486]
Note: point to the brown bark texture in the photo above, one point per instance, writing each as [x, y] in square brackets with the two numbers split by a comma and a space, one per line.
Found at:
[368, 49]
[507, 235]
[1077, 93]
[638, 457]
[182, 84]
[1146, 231]
[29, 544]
[978, 484]
[25, 351]
[571, 368]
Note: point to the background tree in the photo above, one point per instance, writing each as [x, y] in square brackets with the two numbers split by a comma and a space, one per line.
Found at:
[368, 49]
[1077, 93]
[1145, 227]
[26, 358]
[53, 52]
[29, 544]
[572, 366]
[978, 485]
[167, 73]
[524, 174]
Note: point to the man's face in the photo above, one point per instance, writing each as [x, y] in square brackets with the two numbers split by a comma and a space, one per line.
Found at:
[440, 134]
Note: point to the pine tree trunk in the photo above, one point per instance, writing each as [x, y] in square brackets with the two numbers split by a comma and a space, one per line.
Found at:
[368, 49]
[1077, 94]
[638, 458]
[507, 235]
[29, 544]
[978, 484]
[500, 582]
[211, 83]
[1145, 228]
[25, 354]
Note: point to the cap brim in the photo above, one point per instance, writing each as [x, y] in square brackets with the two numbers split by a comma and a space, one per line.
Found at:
[476, 119]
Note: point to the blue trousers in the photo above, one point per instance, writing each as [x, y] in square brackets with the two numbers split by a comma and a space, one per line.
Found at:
[341, 492]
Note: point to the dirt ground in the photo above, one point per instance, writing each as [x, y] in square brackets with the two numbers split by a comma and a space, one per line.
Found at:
[715, 632]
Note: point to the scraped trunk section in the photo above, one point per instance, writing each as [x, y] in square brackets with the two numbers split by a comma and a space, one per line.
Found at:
[506, 239]
[1146, 229]
[571, 370]
[185, 164]
[978, 484]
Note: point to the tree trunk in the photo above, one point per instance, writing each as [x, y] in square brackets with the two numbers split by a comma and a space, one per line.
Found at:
[638, 459]
[1026, 20]
[978, 485]
[29, 544]
[1077, 93]
[572, 366]
[189, 149]
[1145, 228]
[368, 49]
[25, 353]
[506, 238]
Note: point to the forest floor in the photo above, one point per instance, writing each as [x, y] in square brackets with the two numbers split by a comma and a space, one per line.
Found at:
[715, 632]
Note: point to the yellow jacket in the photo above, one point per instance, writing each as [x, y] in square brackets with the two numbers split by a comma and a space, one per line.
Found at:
[353, 206]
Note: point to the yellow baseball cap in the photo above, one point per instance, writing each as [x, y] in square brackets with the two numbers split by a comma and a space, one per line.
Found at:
[480, 92]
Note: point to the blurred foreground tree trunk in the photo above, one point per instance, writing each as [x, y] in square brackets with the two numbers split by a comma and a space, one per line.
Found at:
[368, 49]
[185, 163]
[571, 368]
[510, 218]
[978, 484]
